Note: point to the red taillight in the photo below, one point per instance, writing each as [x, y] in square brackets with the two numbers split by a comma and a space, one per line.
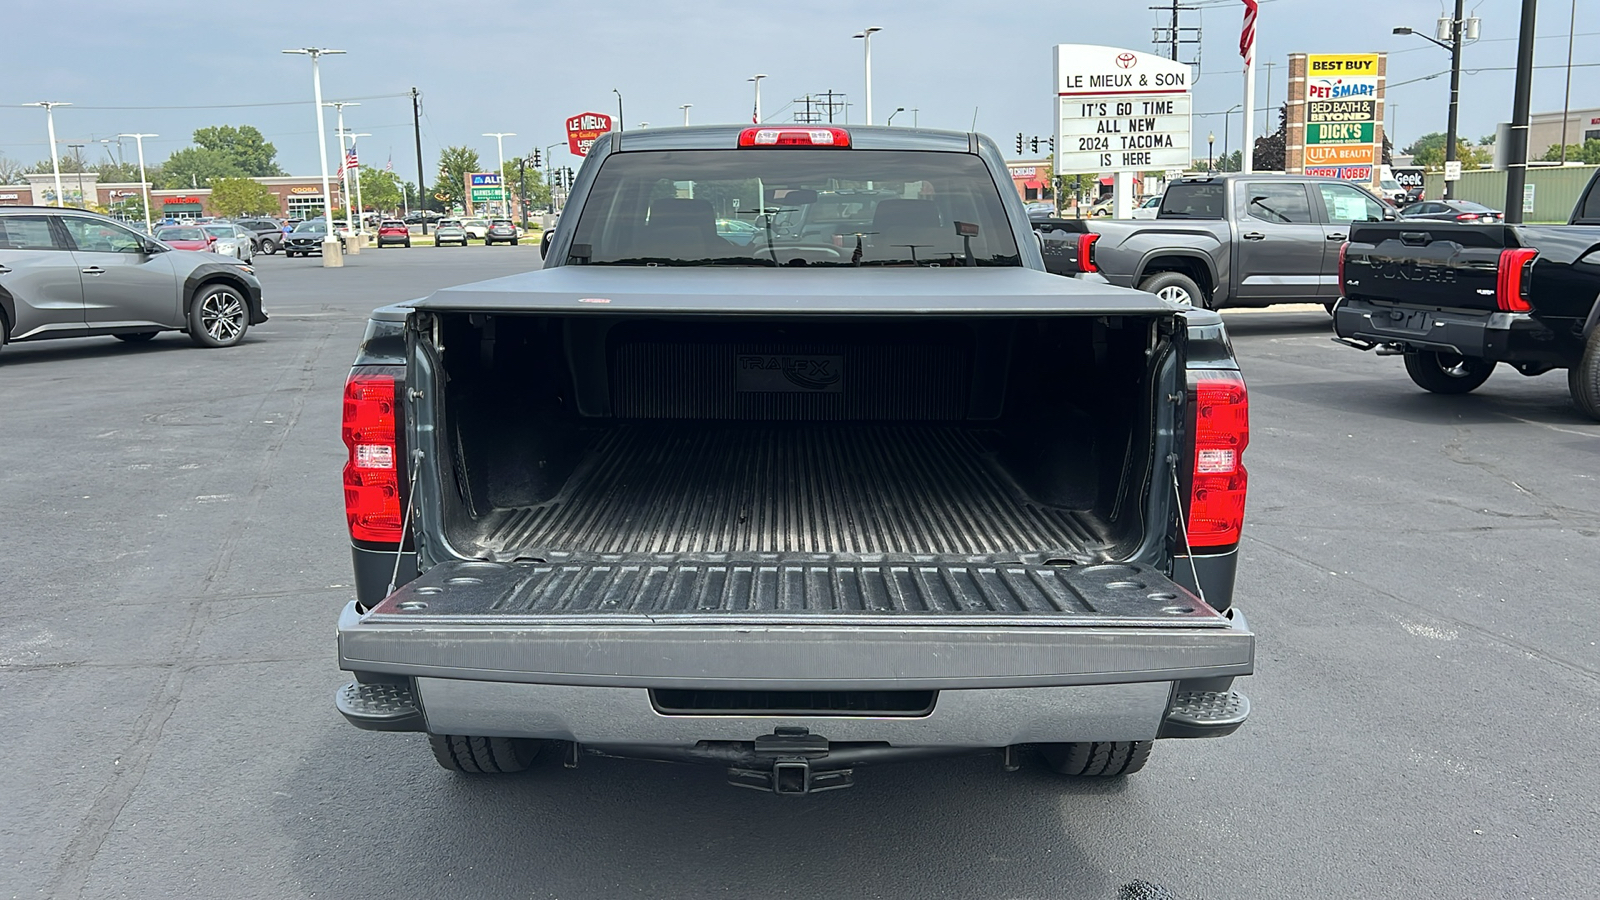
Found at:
[1086, 252]
[794, 137]
[1344, 254]
[372, 480]
[1467, 217]
[1511, 281]
[1221, 433]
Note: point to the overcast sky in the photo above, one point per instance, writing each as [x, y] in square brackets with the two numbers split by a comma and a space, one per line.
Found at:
[523, 66]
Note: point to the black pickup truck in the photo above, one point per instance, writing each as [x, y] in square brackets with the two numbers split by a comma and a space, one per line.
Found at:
[787, 507]
[1456, 300]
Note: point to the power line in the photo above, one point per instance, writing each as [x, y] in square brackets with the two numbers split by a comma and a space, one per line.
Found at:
[214, 106]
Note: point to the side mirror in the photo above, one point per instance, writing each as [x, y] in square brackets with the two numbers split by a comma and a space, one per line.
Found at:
[1390, 215]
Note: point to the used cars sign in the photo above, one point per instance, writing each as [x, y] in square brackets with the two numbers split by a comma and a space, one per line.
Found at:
[583, 129]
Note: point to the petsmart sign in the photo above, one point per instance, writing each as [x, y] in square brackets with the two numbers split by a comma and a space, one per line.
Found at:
[1120, 110]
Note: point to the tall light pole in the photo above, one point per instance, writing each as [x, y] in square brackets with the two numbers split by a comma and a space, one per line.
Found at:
[1566, 105]
[55, 158]
[316, 54]
[500, 151]
[144, 183]
[1227, 119]
[685, 108]
[865, 35]
[77, 151]
[755, 117]
[897, 111]
[619, 109]
[549, 182]
[1457, 35]
[349, 220]
[360, 207]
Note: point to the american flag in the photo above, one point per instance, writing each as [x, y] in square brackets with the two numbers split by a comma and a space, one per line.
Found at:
[1247, 37]
[388, 165]
[350, 162]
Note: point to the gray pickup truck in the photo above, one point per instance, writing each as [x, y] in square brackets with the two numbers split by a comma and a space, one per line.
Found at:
[1223, 240]
[794, 508]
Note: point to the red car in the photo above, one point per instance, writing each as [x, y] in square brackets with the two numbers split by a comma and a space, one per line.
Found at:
[393, 231]
[185, 237]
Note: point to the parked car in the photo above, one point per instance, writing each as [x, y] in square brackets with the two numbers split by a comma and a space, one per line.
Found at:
[185, 237]
[1464, 211]
[394, 231]
[232, 240]
[501, 231]
[1456, 299]
[449, 231]
[476, 228]
[69, 273]
[1102, 209]
[736, 231]
[1223, 240]
[268, 232]
[307, 238]
[1041, 208]
[1147, 208]
[671, 498]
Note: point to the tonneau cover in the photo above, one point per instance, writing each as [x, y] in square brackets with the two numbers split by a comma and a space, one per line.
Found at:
[622, 290]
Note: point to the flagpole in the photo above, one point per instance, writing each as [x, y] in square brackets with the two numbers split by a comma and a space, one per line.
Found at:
[1248, 48]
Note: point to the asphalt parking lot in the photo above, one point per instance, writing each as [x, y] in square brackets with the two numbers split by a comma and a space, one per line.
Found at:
[1420, 570]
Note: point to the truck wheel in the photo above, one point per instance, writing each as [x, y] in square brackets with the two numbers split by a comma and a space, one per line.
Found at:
[1447, 373]
[1583, 379]
[1176, 287]
[1100, 759]
[483, 755]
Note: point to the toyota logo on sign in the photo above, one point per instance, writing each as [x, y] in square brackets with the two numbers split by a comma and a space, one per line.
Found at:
[1126, 60]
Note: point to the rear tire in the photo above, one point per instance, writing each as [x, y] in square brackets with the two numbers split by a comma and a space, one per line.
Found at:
[483, 755]
[1583, 379]
[1099, 759]
[139, 338]
[1447, 373]
[1177, 288]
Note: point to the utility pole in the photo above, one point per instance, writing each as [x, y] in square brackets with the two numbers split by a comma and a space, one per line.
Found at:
[833, 106]
[77, 151]
[1172, 35]
[1566, 105]
[1517, 167]
[1269, 65]
[416, 132]
[1450, 137]
[549, 166]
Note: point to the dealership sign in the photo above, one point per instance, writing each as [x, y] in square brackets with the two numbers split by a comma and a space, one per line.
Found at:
[1120, 111]
[584, 129]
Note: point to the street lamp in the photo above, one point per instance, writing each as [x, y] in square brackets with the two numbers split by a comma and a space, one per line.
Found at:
[685, 108]
[344, 168]
[897, 111]
[144, 183]
[500, 150]
[550, 166]
[55, 158]
[360, 206]
[1227, 116]
[330, 254]
[619, 109]
[1455, 30]
[755, 117]
[1211, 146]
[77, 151]
[865, 35]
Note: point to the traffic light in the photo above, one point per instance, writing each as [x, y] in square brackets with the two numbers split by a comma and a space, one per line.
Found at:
[536, 157]
[1052, 143]
[1033, 144]
[1019, 143]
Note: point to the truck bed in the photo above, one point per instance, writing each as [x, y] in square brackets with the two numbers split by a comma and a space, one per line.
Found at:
[676, 487]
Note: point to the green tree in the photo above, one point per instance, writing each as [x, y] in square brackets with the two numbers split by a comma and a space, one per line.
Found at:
[1428, 151]
[455, 164]
[123, 172]
[194, 167]
[1587, 152]
[380, 190]
[69, 163]
[243, 147]
[538, 192]
[241, 197]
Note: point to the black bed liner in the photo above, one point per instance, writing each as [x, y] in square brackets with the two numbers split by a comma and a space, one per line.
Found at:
[670, 487]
